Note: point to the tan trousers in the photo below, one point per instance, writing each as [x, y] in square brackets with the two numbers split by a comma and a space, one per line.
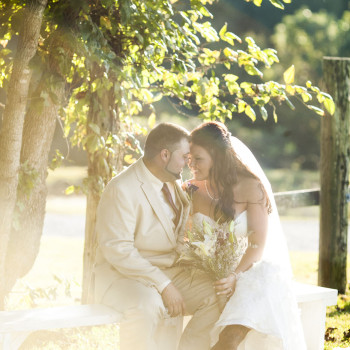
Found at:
[144, 326]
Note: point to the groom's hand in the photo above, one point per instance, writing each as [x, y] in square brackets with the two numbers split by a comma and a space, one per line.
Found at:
[173, 300]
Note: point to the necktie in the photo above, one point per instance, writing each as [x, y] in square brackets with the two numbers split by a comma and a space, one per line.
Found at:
[169, 198]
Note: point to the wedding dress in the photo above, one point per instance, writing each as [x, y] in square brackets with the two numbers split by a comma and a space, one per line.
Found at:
[263, 301]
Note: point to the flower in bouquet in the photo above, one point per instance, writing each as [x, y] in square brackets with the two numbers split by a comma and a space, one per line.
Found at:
[214, 249]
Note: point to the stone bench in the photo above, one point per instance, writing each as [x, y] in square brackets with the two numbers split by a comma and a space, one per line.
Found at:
[16, 325]
[313, 302]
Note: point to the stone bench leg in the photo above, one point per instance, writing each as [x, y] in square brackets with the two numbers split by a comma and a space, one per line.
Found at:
[313, 318]
[13, 340]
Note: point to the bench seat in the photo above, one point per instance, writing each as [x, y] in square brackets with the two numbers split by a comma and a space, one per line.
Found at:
[16, 325]
[57, 317]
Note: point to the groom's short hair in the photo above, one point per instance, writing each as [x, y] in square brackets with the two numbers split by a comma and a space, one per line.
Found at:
[164, 136]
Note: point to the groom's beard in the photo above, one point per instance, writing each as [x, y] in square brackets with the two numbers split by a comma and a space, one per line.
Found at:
[176, 175]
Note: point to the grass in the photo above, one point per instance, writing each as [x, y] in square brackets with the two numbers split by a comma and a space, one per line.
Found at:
[289, 179]
[338, 324]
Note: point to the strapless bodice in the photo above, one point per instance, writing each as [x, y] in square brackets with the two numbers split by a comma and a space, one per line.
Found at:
[241, 225]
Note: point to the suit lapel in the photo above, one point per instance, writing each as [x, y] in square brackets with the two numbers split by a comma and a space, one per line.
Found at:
[156, 204]
[185, 206]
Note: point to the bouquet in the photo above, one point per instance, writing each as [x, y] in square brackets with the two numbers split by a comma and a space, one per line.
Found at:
[214, 249]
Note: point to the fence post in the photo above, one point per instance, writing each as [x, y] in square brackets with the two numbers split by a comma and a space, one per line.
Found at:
[335, 155]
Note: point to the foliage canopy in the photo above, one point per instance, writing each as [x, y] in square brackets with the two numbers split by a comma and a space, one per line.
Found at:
[146, 50]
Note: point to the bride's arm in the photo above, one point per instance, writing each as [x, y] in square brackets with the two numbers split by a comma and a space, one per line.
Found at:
[257, 229]
[257, 216]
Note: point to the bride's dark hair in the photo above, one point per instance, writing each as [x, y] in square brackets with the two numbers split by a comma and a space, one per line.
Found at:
[215, 138]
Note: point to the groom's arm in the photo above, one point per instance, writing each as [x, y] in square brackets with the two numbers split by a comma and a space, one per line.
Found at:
[115, 226]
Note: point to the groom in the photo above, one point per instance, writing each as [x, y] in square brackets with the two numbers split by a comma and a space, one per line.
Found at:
[140, 224]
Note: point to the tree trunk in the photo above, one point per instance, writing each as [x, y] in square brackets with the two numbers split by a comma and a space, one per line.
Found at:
[12, 125]
[335, 155]
[100, 169]
[39, 127]
[25, 237]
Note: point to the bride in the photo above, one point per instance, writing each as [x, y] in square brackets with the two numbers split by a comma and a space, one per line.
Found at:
[261, 311]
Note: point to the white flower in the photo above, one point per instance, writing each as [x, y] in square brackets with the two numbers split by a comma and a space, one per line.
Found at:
[207, 246]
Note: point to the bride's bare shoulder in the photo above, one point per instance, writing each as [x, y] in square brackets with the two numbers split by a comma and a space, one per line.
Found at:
[250, 190]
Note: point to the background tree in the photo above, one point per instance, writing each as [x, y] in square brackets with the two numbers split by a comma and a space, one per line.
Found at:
[302, 36]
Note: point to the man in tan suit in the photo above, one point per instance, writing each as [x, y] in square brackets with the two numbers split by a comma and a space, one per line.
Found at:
[140, 224]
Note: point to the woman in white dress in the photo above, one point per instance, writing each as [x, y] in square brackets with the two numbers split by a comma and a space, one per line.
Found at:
[228, 184]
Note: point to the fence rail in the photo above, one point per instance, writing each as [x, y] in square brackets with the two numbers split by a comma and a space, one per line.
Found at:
[299, 198]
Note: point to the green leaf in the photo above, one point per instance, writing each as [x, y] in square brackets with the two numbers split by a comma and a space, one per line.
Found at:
[147, 95]
[306, 96]
[249, 111]
[185, 17]
[129, 159]
[241, 106]
[231, 83]
[230, 54]
[263, 112]
[152, 120]
[69, 190]
[231, 37]
[231, 77]
[277, 3]
[223, 31]
[329, 105]
[275, 118]
[324, 94]
[288, 75]
[187, 104]
[227, 65]
[157, 97]
[319, 111]
[290, 89]
[204, 11]
[252, 70]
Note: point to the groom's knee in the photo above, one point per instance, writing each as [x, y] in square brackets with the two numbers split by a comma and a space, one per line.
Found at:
[126, 294]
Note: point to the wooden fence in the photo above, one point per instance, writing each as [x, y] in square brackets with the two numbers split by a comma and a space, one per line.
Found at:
[305, 198]
[295, 199]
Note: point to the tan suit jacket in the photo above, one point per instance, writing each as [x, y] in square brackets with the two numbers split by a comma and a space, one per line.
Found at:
[136, 238]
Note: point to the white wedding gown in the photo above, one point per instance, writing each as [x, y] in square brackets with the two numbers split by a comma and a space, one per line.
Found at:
[263, 301]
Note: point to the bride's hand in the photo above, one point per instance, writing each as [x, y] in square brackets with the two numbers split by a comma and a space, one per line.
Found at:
[226, 286]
